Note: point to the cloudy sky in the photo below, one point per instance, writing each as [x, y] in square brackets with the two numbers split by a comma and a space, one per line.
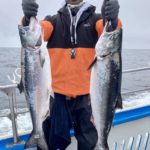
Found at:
[134, 14]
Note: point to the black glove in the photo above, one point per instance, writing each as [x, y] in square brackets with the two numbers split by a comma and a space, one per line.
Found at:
[110, 11]
[30, 8]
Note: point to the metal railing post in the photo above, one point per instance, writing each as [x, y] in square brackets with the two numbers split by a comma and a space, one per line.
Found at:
[10, 91]
[13, 116]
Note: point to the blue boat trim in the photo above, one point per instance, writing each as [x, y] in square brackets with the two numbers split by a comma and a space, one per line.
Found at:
[128, 116]
[120, 118]
[4, 144]
[131, 115]
[72, 132]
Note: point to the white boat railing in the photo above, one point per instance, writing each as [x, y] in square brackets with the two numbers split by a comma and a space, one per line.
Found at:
[10, 91]
[136, 70]
[140, 144]
[133, 71]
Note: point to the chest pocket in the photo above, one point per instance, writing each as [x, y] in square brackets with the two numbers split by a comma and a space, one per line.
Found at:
[86, 34]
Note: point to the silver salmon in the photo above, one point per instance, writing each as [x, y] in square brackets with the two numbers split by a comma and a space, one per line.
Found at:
[105, 84]
[35, 79]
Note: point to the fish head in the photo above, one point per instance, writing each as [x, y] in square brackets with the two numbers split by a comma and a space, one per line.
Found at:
[108, 43]
[31, 36]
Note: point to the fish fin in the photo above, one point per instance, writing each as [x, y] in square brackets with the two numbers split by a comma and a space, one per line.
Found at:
[42, 58]
[41, 143]
[39, 42]
[20, 86]
[51, 93]
[92, 64]
[119, 104]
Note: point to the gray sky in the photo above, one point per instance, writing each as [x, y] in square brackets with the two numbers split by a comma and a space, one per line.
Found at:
[134, 14]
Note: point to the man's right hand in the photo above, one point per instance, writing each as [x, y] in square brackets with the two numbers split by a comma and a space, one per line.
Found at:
[30, 8]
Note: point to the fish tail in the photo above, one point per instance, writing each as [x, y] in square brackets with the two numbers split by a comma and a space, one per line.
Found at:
[35, 140]
[119, 102]
[32, 141]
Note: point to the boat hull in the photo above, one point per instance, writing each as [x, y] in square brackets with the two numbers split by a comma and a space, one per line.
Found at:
[128, 125]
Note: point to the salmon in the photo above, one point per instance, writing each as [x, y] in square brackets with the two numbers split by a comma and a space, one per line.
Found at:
[35, 79]
[105, 84]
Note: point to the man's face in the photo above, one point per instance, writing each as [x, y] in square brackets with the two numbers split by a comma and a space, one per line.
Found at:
[73, 2]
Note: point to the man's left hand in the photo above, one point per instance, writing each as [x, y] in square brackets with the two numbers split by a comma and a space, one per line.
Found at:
[110, 11]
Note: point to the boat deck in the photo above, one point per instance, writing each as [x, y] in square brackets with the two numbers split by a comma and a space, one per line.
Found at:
[130, 130]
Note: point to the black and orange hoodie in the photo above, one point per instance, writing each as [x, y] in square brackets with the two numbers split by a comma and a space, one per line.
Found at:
[63, 33]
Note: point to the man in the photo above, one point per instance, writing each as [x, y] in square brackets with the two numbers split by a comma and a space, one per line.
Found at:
[71, 36]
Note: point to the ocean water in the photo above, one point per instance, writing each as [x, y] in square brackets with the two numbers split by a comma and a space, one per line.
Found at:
[132, 59]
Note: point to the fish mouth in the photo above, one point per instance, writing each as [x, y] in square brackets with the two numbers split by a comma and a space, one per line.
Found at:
[105, 55]
[98, 57]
